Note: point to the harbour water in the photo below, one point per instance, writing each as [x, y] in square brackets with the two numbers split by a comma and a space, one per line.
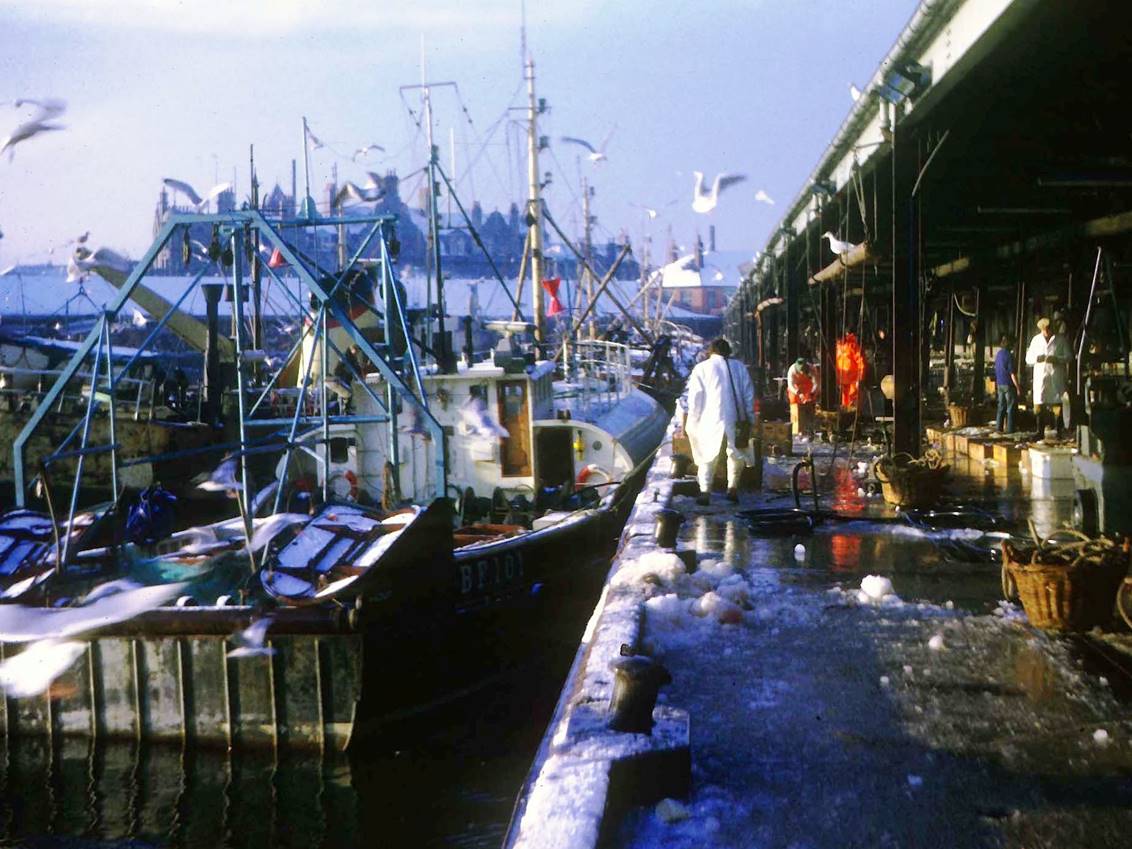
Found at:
[448, 778]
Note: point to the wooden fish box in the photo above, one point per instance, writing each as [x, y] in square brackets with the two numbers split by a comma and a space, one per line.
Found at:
[980, 449]
[948, 442]
[961, 444]
[934, 435]
[1008, 455]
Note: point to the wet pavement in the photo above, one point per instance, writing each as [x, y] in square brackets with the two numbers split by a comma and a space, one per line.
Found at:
[937, 717]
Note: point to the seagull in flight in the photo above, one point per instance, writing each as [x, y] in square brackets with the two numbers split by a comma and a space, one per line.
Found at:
[651, 212]
[356, 194]
[596, 154]
[191, 195]
[836, 245]
[705, 202]
[250, 641]
[85, 259]
[46, 111]
[362, 151]
[762, 197]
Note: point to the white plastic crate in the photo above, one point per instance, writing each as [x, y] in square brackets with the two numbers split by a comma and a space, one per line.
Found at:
[1051, 462]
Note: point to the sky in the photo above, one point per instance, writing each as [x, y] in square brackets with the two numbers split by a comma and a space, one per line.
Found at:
[161, 88]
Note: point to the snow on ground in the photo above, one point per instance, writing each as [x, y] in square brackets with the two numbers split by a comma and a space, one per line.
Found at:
[832, 709]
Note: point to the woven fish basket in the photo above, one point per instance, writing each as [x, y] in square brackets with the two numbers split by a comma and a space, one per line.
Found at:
[910, 484]
[1073, 596]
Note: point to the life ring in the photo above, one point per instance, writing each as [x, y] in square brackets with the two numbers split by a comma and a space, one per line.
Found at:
[350, 478]
[591, 469]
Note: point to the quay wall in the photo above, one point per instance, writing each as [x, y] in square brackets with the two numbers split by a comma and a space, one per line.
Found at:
[586, 774]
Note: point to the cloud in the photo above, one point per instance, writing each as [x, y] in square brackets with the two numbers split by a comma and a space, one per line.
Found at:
[274, 18]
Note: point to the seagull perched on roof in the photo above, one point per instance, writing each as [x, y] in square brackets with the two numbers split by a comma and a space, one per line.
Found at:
[836, 245]
[705, 202]
[191, 194]
[854, 92]
[596, 154]
[362, 151]
[762, 197]
[47, 110]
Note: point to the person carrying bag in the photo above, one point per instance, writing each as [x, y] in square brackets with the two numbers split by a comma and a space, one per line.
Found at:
[718, 418]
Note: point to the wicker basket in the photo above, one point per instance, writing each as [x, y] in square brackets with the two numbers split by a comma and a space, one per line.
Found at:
[962, 415]
[910, 486]
[1065, 597]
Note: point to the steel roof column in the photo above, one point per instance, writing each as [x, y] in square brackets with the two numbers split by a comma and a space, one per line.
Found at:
[906, 330]
[793, 290]
[981, 340]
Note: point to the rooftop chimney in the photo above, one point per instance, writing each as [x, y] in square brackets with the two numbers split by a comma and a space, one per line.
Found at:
[711, 238]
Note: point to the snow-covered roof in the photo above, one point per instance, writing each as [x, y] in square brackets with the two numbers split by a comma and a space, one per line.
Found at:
[719, 269]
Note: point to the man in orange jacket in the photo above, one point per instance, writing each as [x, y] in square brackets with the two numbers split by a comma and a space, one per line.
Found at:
[800, 394]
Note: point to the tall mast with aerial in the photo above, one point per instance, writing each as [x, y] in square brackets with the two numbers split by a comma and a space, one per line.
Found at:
[534, 203]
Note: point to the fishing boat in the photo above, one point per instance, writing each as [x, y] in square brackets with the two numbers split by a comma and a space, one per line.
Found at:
[410, 522]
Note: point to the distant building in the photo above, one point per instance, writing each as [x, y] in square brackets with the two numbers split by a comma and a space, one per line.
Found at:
[502, 235]
[704, 280]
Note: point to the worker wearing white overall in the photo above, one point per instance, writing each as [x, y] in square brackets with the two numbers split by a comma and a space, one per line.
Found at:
[1049, 355]
[720, 394]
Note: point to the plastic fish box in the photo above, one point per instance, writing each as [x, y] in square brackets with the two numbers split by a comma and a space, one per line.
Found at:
[1051, 462]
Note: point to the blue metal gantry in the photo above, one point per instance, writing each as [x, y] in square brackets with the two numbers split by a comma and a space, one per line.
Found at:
[402, 376]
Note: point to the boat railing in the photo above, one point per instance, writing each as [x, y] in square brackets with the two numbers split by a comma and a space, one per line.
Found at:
[602, 374]
[140, 389]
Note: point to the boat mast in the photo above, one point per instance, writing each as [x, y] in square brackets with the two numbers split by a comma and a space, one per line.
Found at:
[308, 209]
[441, 343]
[587, 249]
[534, 204]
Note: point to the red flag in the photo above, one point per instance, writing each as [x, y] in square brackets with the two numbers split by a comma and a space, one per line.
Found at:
[276, 260]
[551, 285]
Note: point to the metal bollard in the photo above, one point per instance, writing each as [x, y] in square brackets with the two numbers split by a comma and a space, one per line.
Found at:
[690, 558]
[636, 681]
[668, 523]
[680, 464]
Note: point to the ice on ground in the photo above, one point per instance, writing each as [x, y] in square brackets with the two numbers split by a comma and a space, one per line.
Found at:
[720, 609]
[654, 567]
[1100, 737]
[915, 780]
[670, 810]
[936, 642]
[877, 589]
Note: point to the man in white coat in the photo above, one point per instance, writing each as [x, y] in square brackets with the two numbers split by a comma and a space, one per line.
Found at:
[1049, 355]
[720, 394]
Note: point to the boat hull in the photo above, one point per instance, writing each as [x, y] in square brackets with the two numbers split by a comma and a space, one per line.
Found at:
[338, 674]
